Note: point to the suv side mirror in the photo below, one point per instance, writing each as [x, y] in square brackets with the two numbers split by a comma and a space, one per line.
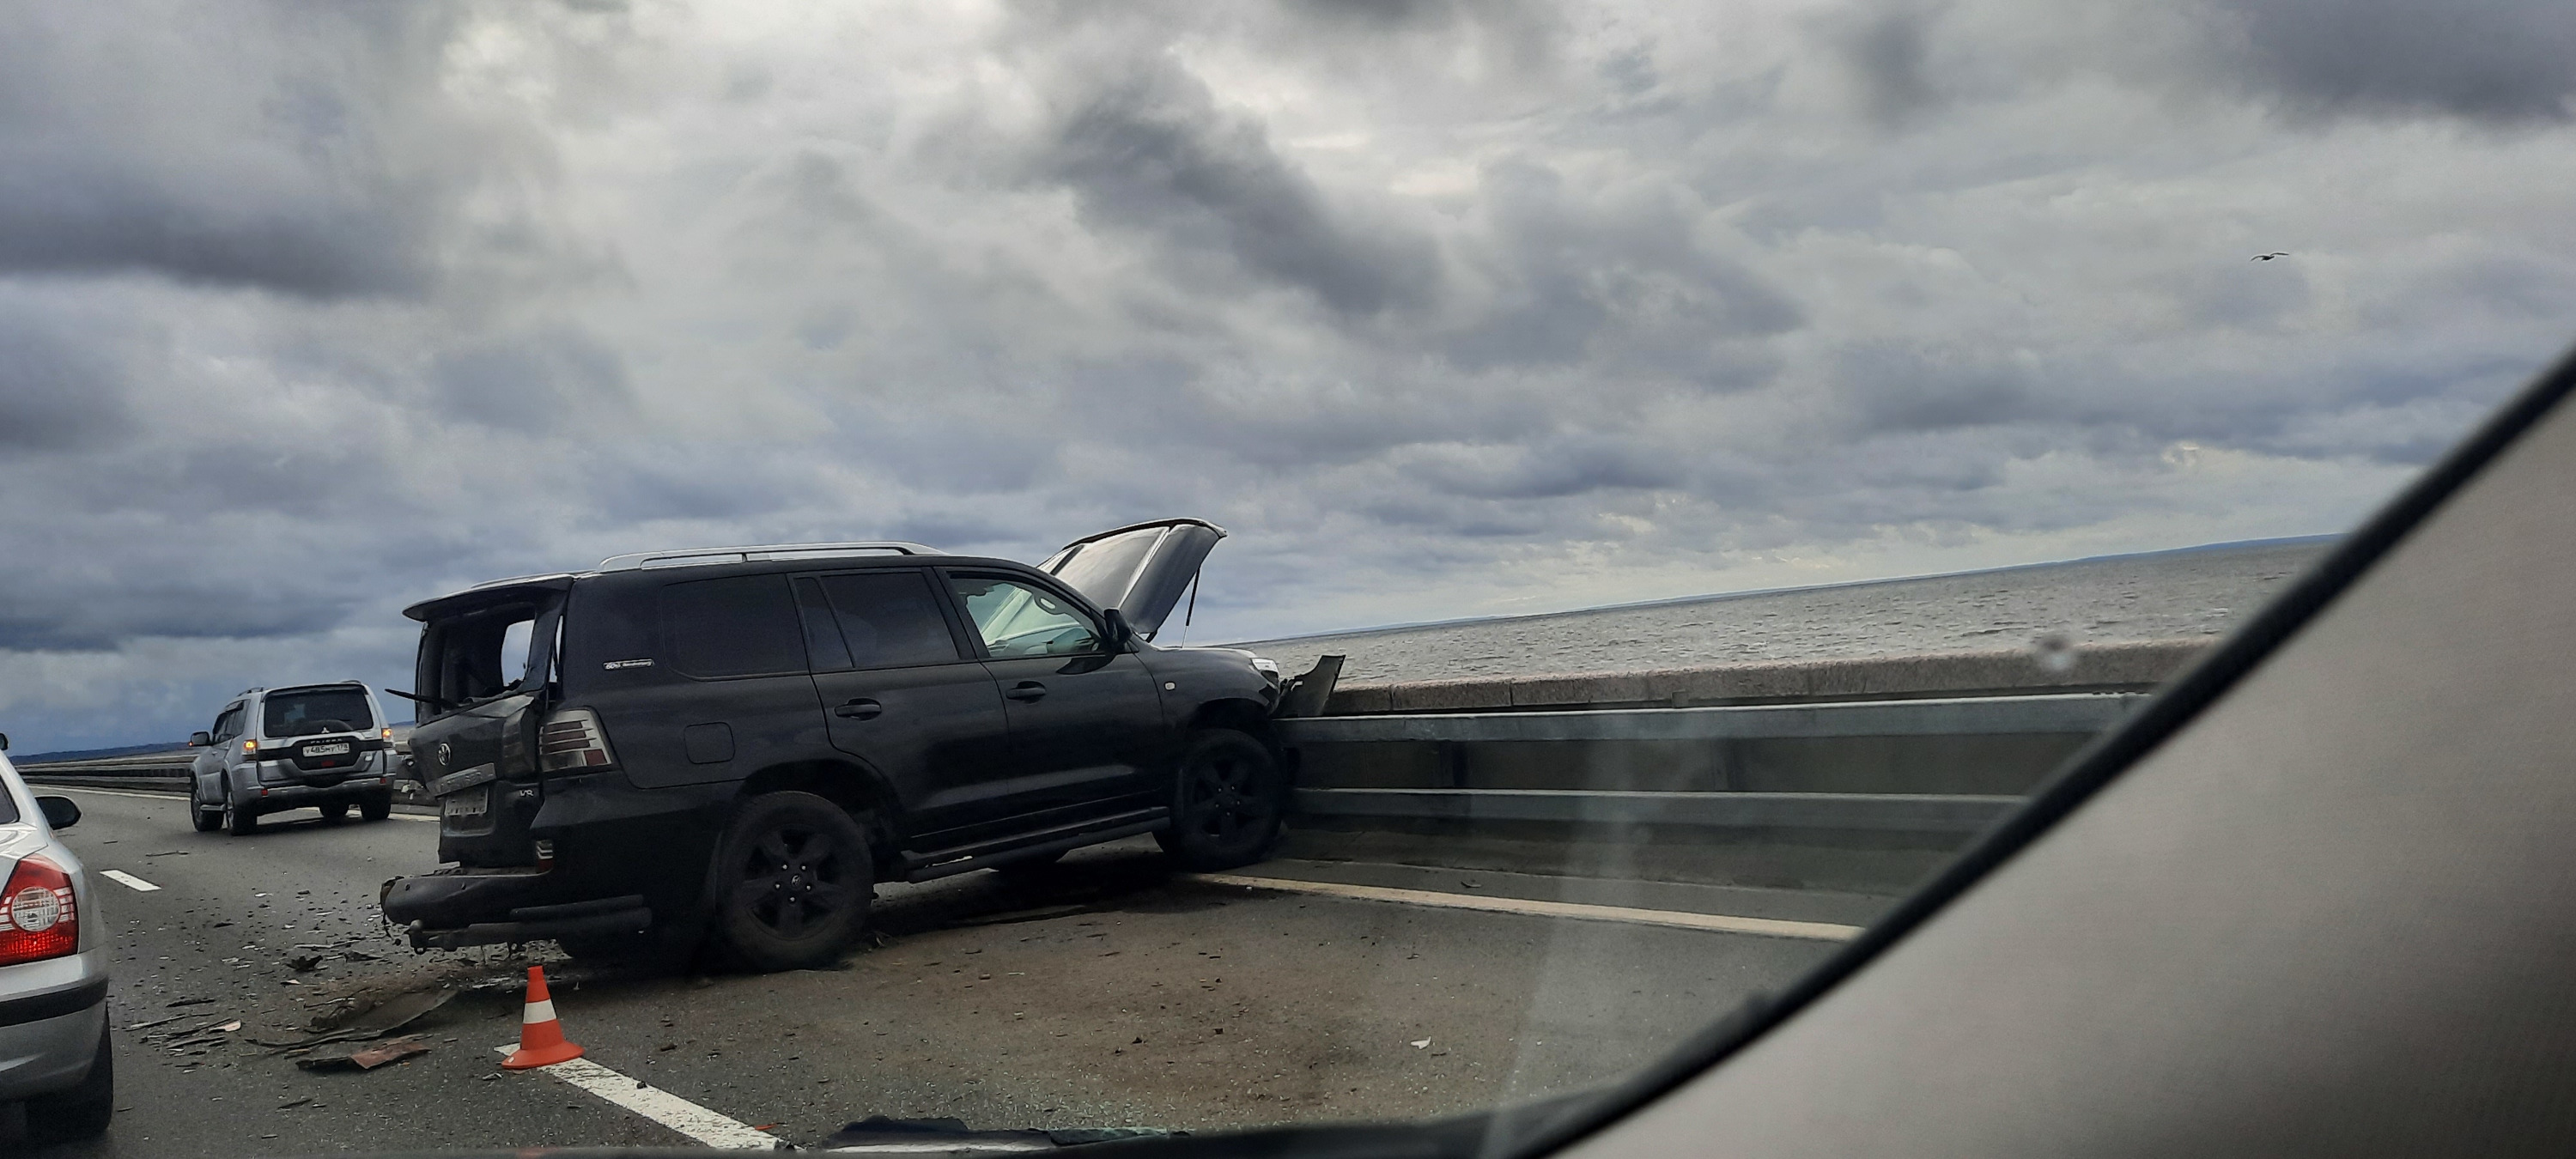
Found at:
[198, 740]
[60, 812]
[1121, 637]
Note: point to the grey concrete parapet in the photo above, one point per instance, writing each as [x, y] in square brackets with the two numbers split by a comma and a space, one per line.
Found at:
[2121, 667]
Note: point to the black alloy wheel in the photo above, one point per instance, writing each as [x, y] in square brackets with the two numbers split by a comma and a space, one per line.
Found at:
[793, 879]
[376, 808]
[1232, 798]
[237, 820]
[335, 812]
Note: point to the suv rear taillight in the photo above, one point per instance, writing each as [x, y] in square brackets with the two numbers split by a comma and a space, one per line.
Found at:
[38, 918]
[571, 739]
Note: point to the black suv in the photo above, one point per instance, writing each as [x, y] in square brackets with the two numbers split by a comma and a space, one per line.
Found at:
[739, 742]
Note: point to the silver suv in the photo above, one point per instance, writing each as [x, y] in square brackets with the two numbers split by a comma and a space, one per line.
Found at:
[313, 746]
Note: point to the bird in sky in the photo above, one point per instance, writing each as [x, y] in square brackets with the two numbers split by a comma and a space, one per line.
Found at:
[2270, 256]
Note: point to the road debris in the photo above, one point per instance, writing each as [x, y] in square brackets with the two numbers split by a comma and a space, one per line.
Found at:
[1419, 1043]
[376, 1021]
[350, 1056]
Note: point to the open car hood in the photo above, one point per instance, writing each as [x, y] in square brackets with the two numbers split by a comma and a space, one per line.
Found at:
[1141, 570]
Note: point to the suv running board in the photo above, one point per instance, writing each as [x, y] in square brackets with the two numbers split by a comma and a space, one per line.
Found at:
[986, 854]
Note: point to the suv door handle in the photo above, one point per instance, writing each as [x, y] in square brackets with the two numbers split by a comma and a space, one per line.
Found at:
[1027, 690]
[860, 709]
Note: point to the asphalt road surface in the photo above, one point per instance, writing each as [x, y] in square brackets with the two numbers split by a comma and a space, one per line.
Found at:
[1111, 993]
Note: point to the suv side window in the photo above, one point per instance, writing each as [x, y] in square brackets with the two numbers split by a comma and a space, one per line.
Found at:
[1018, 619]
[887, 619]
[735, 626]
[227, 724]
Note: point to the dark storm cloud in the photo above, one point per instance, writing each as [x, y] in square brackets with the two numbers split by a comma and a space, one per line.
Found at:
[85, 214]
[1576, 277]
[2498, 62]
[55, 394]
[2486, 60]
[74, 618]
[1144, 147]
[1572, 464]
[292, 147]
[536, 382]
[1891, 385]
[1886, 50]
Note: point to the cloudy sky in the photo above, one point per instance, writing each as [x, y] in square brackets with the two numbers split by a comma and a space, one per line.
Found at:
[310, 310]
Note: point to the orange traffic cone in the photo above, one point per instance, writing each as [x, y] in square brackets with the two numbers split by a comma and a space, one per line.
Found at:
[541, 1040]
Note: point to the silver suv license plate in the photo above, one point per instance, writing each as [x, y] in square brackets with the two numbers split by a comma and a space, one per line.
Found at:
[471, 803]
[340, 749]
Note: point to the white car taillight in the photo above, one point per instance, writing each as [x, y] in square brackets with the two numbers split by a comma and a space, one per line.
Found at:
[571, 739]
[38, 918]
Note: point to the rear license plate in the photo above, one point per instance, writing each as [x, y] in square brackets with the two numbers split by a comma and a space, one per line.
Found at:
[335, 749]
[471, 803]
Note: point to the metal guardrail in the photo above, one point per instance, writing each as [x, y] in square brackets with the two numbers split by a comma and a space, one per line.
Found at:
[1907, 812]
[2076, 713]
[173, 763]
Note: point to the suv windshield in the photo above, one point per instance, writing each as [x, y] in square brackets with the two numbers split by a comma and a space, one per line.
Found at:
[308, 711]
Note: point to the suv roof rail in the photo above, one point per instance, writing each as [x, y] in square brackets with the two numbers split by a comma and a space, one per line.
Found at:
[644, 559]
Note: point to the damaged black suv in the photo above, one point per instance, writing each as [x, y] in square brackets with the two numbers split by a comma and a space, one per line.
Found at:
[736, 744]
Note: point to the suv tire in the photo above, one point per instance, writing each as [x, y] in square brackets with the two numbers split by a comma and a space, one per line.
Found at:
[376, 808]
[203, 817]
[1231, 799]
[791, 882]
[238, 821]
[83, 1111]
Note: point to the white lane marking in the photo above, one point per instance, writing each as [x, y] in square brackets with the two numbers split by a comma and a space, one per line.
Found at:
[1724, 923]
[659, 1105]
[128, 880]
[179, 797]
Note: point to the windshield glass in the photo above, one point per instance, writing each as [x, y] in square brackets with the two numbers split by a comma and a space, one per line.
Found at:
[1634, 490]
[303, 713]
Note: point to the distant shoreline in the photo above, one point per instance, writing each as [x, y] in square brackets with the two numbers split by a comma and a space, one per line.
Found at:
[1719, 597]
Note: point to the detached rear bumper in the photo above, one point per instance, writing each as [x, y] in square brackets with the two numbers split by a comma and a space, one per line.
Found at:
[453, 908]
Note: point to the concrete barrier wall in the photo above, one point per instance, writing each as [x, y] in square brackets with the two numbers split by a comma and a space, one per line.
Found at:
[2123, 667]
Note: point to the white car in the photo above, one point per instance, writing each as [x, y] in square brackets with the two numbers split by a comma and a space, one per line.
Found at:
[53, 971]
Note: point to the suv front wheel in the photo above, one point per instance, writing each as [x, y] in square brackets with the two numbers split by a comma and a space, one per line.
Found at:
[1231, 799]
[793, 878]
[203, 817]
